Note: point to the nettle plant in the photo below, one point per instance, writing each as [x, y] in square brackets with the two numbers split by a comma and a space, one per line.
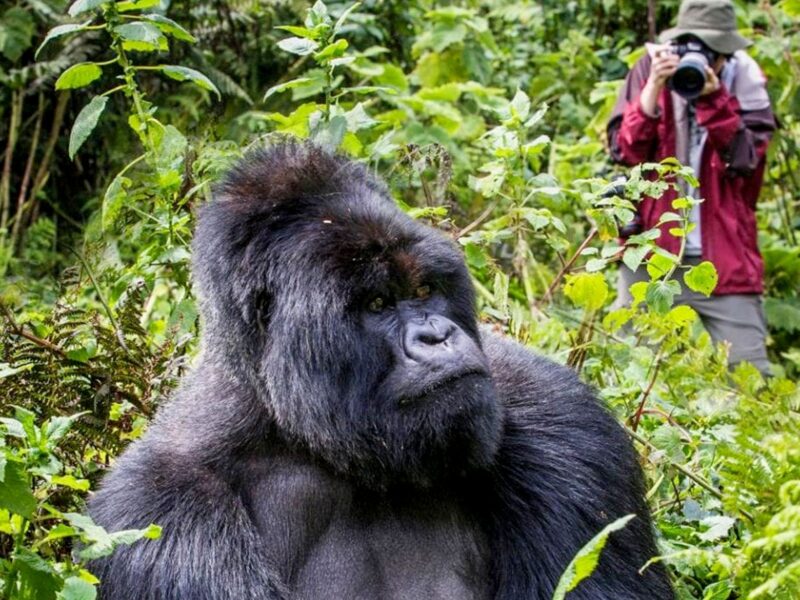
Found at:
[129, 31]
[327, 122]
[35, 536]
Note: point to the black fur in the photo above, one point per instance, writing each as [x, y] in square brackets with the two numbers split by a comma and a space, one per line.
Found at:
[325, 447]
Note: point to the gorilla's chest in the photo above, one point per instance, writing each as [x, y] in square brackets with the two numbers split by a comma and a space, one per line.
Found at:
[330, 541]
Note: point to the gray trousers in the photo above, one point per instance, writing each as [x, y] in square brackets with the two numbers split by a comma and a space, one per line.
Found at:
[735, 318]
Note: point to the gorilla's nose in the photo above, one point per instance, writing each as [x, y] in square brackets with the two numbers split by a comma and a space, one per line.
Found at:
[428, 336]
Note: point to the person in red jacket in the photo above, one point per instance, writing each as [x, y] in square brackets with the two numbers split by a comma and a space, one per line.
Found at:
[723, 134]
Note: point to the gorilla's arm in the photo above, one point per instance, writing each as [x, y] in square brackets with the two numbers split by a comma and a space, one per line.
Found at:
[181, 475]
[565, 470]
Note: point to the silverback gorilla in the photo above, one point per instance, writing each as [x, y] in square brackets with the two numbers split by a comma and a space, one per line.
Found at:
[348, 432]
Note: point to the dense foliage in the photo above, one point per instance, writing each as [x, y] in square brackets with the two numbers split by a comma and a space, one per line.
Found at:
[487, 117]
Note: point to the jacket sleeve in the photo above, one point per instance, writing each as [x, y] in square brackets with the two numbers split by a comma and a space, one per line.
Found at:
[740, 137]
[633, 134]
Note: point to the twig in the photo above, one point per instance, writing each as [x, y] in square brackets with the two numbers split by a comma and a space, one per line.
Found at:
[549, 293]
[656, 366]
[481, 218]
[18, 330]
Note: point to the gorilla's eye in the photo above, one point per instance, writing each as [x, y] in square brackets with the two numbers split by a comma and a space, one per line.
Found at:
[423, 292]
[377, 304]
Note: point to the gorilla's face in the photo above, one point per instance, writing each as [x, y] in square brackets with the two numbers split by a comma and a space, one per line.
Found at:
[363, 334]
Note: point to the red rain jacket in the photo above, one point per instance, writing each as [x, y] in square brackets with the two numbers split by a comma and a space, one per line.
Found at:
[732, 170]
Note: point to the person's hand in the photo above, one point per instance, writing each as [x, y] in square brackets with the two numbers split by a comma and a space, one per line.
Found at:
[664, 65]
[712, 82]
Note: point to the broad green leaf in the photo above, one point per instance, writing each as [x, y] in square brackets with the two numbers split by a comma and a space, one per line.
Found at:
[85, 123]
[76, 588]
[15, 493]
[81, 6]
[302, 32]
[180, 73]
[140, 36]
[16, 32]
[13, 427]
[36, 575]
[343, 17]
[59, 31]
[702, 278]
[334, 50]
[130, 5]
[520, 105]
[57, 427]
[170, 27]
[634, 255]
[287, 86]
[297, 45]
[587, 290]
[78, 76]
[660, 295]
[585, 562]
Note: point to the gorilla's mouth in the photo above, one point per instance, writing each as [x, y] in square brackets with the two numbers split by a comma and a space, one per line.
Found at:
[454, 383]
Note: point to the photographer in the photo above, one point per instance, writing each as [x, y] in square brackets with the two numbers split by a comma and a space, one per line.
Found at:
[699, 97]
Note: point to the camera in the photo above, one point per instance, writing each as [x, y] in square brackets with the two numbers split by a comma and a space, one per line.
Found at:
[690, 77]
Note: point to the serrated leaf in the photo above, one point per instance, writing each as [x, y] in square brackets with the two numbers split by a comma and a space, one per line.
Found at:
[287, 86]
[170, 27]
[59, 31]
[701, 278]
[660, 295]
[81, 6]
[78, 76]
[140, 35]
[130, 5]
[334, 50]
[297, 45]
[15, 493]
[585, 562]
[85, 123]
[76, 588]
[587, 290]
[57, 427]
[16, 32]
[13, 428]
[71, 482]
[343, 17]
[180, 73]
[634, 255]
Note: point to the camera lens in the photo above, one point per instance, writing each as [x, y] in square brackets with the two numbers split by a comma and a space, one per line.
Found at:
[690, 77]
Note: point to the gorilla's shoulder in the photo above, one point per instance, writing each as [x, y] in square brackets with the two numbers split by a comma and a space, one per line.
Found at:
[521, 376]
[548, 400]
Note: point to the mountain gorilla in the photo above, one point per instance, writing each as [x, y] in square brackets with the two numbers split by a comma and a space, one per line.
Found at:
[349, 433]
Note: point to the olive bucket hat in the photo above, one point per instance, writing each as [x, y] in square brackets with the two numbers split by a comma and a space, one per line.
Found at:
[713, 21]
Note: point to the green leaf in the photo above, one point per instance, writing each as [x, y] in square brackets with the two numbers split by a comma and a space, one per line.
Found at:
[702, 278]
[130, 5]
[660, 295]
[170, 27]
[78, 76]
[343, 17]
[57, 427]
[140, 36]
[276, 89]
[76, 588]
[634, 255]
[59, 31]
[303, 32]
[587, 290]
[16, 32]
[15, 493]
[297, 45]
[333, 50]
[71, 482]
[85, 123]
[180, 73]
[585, 562]
[81, 6]
[13, 428]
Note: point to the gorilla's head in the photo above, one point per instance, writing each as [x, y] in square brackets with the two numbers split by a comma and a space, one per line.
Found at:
[353, 323]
